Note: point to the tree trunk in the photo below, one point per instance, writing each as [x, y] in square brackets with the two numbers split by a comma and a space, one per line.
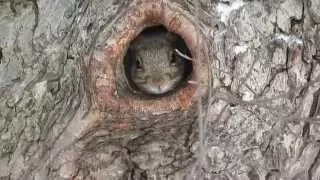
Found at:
[259, 117]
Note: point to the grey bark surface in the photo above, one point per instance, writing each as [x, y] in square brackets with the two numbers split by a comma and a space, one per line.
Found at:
[262, 120]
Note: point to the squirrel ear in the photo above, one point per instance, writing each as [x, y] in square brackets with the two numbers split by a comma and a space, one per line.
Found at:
[171, 37]
[175, 40]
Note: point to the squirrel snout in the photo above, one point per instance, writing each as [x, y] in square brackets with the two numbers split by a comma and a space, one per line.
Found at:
[157, 80]
[157, 84]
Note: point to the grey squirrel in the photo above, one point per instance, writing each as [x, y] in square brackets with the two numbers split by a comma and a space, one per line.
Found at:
[155, 66]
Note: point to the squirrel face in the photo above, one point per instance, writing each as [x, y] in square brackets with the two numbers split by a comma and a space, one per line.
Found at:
[156, 68]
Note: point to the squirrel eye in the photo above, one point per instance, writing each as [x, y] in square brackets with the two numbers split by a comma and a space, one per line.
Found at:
[173, 60]
[138, 63]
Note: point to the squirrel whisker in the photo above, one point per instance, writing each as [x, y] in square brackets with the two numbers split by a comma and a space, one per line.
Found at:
[183, 55]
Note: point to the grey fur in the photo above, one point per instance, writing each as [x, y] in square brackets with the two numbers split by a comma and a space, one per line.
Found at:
[160, 69]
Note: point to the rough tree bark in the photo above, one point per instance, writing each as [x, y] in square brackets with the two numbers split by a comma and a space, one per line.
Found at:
[262, 119]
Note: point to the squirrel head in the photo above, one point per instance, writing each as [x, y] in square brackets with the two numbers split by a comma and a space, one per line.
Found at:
[155, 66]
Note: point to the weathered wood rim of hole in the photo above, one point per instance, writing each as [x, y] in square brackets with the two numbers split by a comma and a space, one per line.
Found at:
[142, 14]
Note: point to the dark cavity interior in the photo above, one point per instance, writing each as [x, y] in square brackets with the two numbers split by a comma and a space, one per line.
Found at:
[179, 44]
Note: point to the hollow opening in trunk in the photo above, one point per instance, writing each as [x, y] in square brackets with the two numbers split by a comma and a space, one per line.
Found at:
[157, 63]
[118, 85]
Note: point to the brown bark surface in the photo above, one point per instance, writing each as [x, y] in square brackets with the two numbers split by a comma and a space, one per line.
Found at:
[259, 121]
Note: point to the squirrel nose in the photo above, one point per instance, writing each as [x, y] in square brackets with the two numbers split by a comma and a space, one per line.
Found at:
[157, 80]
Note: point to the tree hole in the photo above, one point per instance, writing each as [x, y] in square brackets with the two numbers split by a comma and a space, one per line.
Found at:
[157, 63]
